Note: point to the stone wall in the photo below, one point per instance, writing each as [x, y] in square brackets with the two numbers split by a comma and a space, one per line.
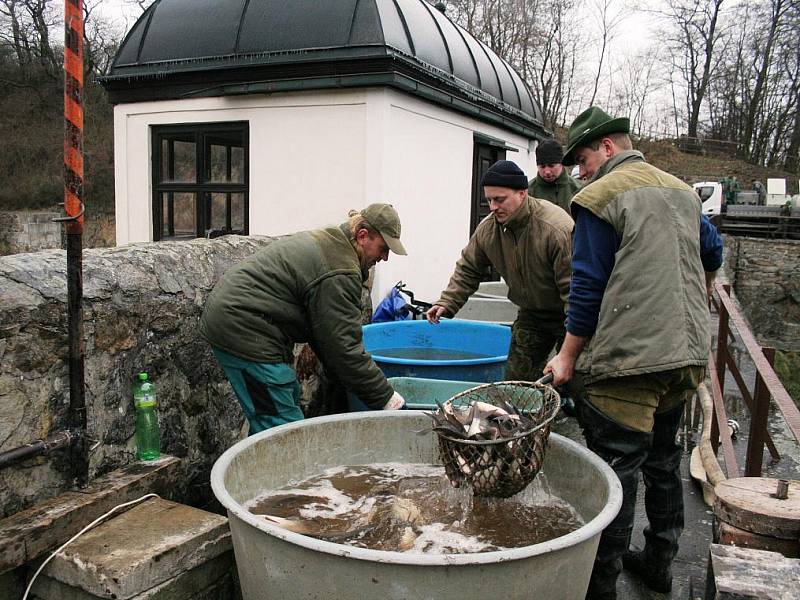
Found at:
[765, 275]
[141, 308]
[22, 231]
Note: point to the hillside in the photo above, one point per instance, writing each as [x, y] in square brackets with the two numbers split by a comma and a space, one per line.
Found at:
[711, 167]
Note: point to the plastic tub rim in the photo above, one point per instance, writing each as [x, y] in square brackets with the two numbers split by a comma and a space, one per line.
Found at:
[594, 527]
[393, 360]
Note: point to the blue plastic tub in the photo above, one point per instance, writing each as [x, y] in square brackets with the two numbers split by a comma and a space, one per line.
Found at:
[456, 350]
[420, 394]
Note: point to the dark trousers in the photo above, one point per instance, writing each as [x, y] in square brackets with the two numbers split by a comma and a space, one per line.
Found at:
[532, 341]
[628, 451]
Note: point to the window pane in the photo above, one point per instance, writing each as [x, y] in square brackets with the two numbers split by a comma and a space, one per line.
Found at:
[225, 157]
[178, 159]
[223, 217]
[237, 164]
[179, 215]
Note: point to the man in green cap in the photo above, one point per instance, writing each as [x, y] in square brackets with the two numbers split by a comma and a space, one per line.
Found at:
[644, 258]
[552, 182]
[305, 287]
[529, 242]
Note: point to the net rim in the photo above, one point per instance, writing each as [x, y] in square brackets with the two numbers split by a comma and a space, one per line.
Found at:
[552, 397]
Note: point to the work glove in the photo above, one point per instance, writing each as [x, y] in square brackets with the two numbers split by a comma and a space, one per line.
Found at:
[396, 402]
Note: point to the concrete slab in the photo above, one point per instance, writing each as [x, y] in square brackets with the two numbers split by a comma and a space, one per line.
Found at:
[213, 580]
[495, 310]
[31, 532]
[142, 548]
[737, 573]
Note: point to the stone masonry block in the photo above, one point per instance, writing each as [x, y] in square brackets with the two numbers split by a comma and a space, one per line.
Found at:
[212, 580]
[742, 573]
[148, 545]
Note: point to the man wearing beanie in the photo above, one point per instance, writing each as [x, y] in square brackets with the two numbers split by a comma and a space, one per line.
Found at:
[305, 287]
[638, 332]
[528, 241]
[552, 182]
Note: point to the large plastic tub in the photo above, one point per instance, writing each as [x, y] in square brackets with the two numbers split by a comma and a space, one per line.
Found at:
[488, 342]
[419, 393]
[276, 563]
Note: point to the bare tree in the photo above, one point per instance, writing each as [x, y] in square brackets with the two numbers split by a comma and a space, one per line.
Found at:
[142, 4]
[610, 19]
[540, 38]
[12, 30]
[790, 51]
[692, 35]
[763, 53]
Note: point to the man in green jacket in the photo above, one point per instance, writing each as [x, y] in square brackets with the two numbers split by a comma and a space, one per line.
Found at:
[638, 327]
[528, 241]
[305, 287]
[552, 182]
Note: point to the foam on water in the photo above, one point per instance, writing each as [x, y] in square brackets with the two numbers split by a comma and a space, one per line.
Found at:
[413, 508]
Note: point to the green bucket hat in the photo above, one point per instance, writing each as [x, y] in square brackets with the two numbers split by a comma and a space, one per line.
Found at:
[592, 124]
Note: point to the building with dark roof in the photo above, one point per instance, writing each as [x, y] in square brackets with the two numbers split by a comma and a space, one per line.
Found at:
[266, 117]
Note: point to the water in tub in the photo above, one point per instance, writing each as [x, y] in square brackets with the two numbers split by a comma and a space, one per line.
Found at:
[413, 508]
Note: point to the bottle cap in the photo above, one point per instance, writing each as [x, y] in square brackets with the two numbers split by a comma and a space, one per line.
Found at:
[142, 376]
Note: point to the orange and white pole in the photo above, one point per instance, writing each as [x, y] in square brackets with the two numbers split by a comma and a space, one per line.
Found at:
[73, 221]
[73, 114]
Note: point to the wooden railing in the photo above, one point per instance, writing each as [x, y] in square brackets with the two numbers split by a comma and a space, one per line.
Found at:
[767, 387]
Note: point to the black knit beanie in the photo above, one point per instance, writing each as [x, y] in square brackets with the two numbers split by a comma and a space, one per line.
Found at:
[549, 152]
[505, 173]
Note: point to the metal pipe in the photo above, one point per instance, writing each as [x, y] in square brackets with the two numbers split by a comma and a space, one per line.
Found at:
[59, 440]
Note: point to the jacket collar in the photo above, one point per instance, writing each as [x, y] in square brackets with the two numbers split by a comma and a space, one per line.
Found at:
[521, 216]
[628, 156]
[345, 229]
[557, 181]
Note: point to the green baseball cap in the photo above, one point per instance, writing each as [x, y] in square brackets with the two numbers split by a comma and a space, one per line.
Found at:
[592, 124]
[384, 218]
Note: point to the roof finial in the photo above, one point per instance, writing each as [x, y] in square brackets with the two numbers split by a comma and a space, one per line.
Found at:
[441, 7]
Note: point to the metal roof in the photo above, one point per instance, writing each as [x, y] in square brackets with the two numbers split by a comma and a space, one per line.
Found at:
[190, 48]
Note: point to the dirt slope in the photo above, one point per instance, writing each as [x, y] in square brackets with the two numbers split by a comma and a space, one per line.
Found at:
[693, 167]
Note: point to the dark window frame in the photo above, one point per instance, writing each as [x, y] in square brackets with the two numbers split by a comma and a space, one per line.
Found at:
[202, 188]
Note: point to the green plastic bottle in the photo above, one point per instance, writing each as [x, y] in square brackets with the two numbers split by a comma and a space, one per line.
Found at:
[148, 439]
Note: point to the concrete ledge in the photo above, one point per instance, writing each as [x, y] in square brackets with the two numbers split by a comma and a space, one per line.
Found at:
[212, 580]
[739, 573]
[31, 532]
[150, 544]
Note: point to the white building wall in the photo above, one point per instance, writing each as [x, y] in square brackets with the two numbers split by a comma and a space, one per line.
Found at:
[306, 157]
[427, 158]
[315, 155]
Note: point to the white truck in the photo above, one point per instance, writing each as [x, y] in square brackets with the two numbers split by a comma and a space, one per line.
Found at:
[710, 193]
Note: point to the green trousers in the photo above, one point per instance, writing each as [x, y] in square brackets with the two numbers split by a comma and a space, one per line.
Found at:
[268, 393]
